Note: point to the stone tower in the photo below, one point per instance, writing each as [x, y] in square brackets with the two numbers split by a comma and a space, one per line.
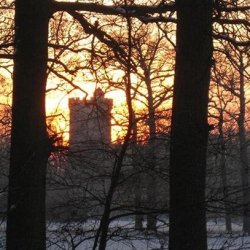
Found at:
[90, 121]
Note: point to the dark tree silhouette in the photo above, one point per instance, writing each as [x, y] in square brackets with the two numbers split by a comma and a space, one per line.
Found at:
[189, 125]
[29, 141]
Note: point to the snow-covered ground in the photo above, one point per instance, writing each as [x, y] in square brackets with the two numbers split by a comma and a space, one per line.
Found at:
[124, 238]
[215, 242]
[80, 236]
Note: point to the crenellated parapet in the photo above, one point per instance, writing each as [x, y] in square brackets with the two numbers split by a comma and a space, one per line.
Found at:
[97, 99]
[76, 101]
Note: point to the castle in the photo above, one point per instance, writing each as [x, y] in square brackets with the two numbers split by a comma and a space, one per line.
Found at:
[90, 121]
[92, 158]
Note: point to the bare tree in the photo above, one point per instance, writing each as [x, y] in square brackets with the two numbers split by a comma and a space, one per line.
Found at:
[219, 104]
[234, 80]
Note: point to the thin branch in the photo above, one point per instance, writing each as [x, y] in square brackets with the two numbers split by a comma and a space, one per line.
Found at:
[231, 40]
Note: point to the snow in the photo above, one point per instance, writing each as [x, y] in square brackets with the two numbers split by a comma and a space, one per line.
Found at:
[61, 236]
[128, 239]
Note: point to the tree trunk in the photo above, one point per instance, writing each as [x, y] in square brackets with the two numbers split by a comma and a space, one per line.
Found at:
[189, 125]
[243, 152]
[104, 224]
[138, 179]
[138, 205]
[223, 174]
[151, 187]
[29, 143]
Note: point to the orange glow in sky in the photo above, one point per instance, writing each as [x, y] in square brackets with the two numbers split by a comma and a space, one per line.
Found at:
[57, 106]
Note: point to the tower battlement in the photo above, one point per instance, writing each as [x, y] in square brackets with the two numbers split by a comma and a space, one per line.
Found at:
[98, 98]
[76, 101]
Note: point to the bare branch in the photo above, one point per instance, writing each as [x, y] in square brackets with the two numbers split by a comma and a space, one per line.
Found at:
[231, 40]
[232, 21]
[132, 10]
[235, 8]
[7, 56]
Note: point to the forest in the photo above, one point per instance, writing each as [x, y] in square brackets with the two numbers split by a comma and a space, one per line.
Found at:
[124, 124]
